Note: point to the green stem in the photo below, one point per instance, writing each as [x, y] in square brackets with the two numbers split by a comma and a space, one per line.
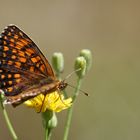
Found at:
[79, 83]
[68, 122]
[47, 133]
[70, 110]
[47, 122]
[10, 127]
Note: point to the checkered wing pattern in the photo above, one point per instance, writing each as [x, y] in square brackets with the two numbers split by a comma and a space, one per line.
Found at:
[21, 62]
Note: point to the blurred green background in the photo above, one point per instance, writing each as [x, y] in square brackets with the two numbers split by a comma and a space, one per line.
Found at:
[111, 30]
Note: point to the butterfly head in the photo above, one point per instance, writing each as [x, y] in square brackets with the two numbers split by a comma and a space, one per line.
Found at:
[62, 85]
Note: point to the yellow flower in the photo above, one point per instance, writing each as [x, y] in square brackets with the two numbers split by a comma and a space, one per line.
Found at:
[54, 101]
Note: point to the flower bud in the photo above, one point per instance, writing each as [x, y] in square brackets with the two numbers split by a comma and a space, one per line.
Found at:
[49, 119]
[1, 94]
[1, 98]
[88, 57]
[58, 62]
[80, 66]
[53, 121]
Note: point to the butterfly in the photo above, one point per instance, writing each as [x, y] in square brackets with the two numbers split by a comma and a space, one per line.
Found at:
[24, 70]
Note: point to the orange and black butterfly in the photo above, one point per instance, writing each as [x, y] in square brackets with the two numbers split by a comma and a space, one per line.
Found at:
[24, 70]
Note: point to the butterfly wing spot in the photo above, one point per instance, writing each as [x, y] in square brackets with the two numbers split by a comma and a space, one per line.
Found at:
[32, 69]
[5, 37]
[25, 42]
[10, 62]
[22, 59]
[2, 76]
[4, 83]
[14, 51]
[18, 64]
[12, 45]
[12, 30]
[9, 76]
[42, 67]
[4, 43]
[18, 47]
[21, 33]
[9, 34]
[16, 75]
[35, 59]
[10, 89]
[30, 51]
[10, 82]
[5, 48]
[12, 40]
[18, 80]
[16, 37]
[4, 54]
[13, 57]
[22, 54]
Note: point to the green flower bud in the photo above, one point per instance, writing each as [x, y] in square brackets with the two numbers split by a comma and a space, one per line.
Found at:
[1, 94]
[80, 66]
[88, 57]
[49, 119]
[53, 122]
[1, 98]
[58, 62]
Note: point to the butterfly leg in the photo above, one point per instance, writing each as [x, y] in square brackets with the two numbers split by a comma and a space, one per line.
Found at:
[59, 92]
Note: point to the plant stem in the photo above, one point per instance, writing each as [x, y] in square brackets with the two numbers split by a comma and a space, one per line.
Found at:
[67, 125]
[70, 111]
[79, 82]
[47, 122]
[47, 133]
[10, 127]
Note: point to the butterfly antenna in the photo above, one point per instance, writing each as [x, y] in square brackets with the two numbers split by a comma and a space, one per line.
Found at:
[79, 90]
[71, 74]
[72, 85]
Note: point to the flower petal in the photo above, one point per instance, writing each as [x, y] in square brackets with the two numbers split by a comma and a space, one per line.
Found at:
[54, 101]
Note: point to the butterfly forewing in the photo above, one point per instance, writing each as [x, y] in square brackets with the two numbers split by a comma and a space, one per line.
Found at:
[21, 62]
